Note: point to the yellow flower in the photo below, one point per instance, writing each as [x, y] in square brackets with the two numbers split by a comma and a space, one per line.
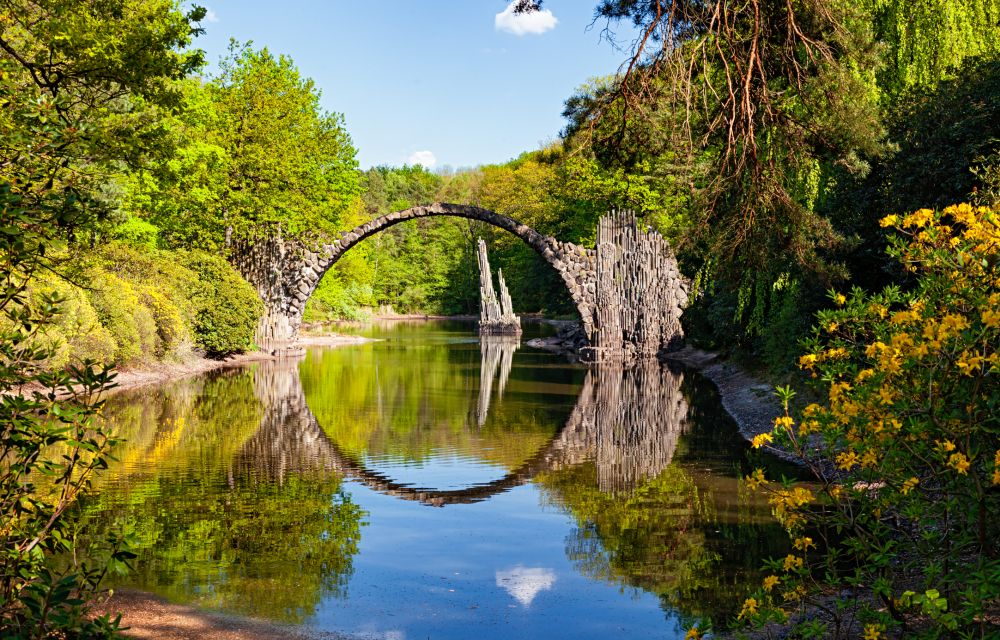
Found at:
[692, 634]
[846, 460]
[873, 632]
[947, 445]
[918, 218]
[803, 543]
[792, 562]
[749, 608]
[770, 582]
[886, 396]
[840, 299]
[959, 462]
[761, 439]
[991, 318]
[908, 485]
[783, 421]
[808, 361]
[889, 221]
[756, 479]
[869, 459]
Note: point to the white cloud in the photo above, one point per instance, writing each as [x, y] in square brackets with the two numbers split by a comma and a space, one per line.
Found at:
[525, 583]
[425, 158]
[210, 16]
[535, 22]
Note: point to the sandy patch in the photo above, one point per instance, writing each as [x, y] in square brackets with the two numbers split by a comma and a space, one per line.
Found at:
[148, 616]
[167, 371]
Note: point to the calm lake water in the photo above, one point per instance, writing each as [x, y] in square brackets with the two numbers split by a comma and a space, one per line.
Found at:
[429, 486]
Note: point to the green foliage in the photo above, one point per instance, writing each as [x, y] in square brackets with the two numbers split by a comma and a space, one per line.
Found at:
[904, 445]
[81, 84]
[137, 233]
[225, 308]
[257, 157]
[925, 42]
[210, 525]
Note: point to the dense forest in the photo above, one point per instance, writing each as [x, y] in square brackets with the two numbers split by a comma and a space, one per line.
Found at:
[780, 146]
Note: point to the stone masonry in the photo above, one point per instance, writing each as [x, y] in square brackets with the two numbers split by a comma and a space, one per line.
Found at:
[285, 273]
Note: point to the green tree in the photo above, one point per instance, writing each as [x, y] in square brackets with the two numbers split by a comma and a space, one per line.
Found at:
[264, 159]
[83, 85]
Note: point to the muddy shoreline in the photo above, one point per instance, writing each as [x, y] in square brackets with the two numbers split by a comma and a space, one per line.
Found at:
[163, 372]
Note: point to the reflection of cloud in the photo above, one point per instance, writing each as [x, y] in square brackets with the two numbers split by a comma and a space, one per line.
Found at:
[533, 22]
[524, 583]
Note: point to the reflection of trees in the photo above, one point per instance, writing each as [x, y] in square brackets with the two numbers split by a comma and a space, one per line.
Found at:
[628, 421]
[407, 403]
[648, 521]
[497, 356]
[209, 519]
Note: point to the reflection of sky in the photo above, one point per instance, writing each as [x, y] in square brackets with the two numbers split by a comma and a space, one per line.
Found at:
[525, 583]
[441, 470]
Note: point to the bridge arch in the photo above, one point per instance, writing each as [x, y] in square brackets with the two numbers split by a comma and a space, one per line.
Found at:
[286, 275]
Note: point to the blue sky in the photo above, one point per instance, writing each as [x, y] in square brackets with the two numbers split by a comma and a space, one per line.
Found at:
[433, 76]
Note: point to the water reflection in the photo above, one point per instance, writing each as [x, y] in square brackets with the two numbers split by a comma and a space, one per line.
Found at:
[523, 583]
[626, 421]
[217, 517]
[497, 357]
[297, 490]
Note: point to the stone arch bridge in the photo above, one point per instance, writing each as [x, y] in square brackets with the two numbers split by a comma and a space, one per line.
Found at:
[628, 421]
[627, 289]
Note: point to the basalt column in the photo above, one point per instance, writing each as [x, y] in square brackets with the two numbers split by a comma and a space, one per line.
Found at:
[496, 315]
[639, 293]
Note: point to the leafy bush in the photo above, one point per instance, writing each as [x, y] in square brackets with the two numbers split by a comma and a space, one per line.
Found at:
[76, 333]
[136, 232]
[130, 323]
[226, 308]
[334, 300]
[906, 447]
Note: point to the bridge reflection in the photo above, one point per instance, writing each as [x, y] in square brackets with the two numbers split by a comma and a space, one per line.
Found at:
[627, 422]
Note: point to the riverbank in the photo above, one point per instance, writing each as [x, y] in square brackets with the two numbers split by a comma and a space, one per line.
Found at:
[750, 402]
[162, 372]
[148, 616]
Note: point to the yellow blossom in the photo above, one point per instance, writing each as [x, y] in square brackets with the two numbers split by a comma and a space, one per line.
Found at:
[840, 299]
[909, 485]
[918, 218]
[770, 582]
[959, 463]
[869, 459]
[808, 361]
[792, 562]
[783, 421]
[761, 439]
[803, 543]
[749, 608]
[991, 318]
[811, 410]
[946, 446]
[889, 221]
[873, 632]
[808, 426]
[846, 460]
[692, 634]
[863, 375]
[886, 396]
[756, 479]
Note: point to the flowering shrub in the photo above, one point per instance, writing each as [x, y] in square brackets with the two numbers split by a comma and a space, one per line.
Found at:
[900, 535]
